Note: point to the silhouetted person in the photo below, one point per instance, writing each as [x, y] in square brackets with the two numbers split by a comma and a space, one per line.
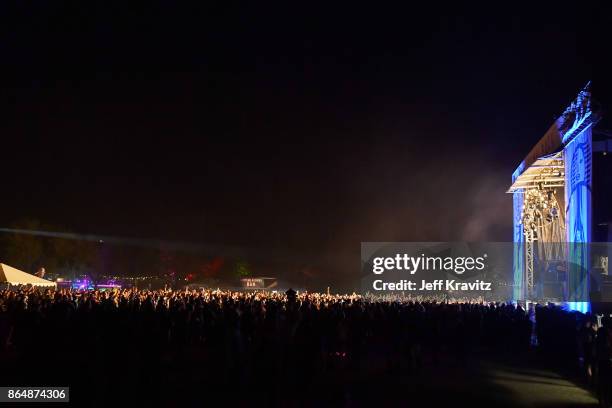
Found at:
[291, 295]
[604, 361]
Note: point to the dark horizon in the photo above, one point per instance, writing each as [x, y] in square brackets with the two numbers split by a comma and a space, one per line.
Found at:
[305, 130]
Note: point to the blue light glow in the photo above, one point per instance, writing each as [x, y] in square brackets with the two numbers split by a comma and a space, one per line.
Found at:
[578, 215]
[518, 171]
[519, 248]
[582, 307]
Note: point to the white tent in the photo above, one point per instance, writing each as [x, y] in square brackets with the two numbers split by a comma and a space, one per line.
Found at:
[14, 276]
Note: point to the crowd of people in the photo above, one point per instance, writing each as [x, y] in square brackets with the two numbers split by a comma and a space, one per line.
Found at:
[166, 343]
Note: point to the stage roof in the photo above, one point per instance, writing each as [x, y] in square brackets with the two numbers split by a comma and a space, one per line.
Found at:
[547, 171]
[577, 117]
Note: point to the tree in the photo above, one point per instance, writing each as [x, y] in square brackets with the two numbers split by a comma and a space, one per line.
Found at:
[74, 256]
[242, 269]
[29, 251]
[25, 251]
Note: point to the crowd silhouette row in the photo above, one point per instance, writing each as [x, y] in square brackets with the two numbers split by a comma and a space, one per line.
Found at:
[168, 343]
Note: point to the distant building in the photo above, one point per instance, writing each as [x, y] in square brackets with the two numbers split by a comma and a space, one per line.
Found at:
[259, 283]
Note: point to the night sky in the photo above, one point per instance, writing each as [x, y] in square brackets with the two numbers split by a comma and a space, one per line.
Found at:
[281, 126]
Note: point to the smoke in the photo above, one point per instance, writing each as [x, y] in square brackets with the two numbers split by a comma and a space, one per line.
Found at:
[491, 215]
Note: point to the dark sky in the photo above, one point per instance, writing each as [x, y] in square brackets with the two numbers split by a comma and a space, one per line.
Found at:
[296, 126]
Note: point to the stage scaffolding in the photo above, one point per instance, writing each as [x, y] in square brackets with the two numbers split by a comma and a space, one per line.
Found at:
[542, 218]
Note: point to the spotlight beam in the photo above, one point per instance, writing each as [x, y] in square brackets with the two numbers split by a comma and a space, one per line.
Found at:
[264, 254]
[138, 242]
